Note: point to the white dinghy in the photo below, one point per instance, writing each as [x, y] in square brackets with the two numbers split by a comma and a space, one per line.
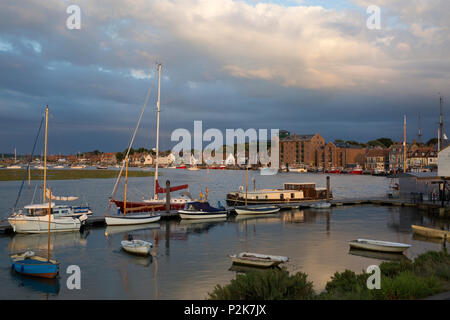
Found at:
[139, 247]
[376, 245]
[257, 259]
[320, 205]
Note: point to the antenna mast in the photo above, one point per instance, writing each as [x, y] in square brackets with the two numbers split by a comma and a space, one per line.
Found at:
[419, 134]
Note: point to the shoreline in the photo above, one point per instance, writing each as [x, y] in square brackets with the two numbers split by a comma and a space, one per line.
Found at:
[69, 174]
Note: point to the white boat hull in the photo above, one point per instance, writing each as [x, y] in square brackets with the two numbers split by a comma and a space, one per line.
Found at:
[131, 219]
[257, 260]
[321, 205]
[27, 224]
[256, 211]
[201, 215]
[381, 246]
[138, 247]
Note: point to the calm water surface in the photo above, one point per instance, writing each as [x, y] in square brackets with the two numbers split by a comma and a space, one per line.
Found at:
[190, 258]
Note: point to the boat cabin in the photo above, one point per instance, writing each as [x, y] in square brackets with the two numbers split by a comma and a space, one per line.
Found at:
[272, 194]
[38, 209]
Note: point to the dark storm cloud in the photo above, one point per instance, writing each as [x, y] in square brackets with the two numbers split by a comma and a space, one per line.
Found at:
[229, 64]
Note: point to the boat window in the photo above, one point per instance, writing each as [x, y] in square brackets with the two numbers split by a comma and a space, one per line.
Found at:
[266, 197]
[281, 196]
[292, 196]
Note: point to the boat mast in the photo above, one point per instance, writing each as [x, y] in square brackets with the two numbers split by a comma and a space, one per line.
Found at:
[404, 144]
[441, 126]
[126, 183]
[246, 186]
[45, 152]
[49, 217]
[157, 131]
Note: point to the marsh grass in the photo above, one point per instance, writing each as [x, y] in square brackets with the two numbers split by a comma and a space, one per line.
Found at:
[427, 275]
[71, 174]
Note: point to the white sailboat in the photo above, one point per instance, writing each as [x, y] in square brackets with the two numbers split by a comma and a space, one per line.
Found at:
[140, 212]
[38, 218]
[193, 163]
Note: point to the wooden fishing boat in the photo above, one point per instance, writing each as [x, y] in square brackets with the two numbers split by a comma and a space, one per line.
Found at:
[202, 210]
[320, 205]
[254, 210]
[31, 265]
[139, 247]
[257, 259]
[431, 232]
[376, 245]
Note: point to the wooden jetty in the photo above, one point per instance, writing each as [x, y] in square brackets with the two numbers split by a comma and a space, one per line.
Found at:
[430, 206]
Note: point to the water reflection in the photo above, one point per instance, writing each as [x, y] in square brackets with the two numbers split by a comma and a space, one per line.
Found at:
[385, 256]
[48, 286]
[39, 242]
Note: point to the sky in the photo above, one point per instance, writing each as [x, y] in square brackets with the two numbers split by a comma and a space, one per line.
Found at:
[306, 66]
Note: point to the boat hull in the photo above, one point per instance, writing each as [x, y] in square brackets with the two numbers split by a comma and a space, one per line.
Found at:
[321, 205]
[431, 232]
[144, 206]
[380, 246]
[137, 247]
[131, 219]
[26, 224]
[201, 215]
[36, 267]
[257, 260]
[254, 211]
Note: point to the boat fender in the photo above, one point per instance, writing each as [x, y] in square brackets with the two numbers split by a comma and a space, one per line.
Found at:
[83, 217]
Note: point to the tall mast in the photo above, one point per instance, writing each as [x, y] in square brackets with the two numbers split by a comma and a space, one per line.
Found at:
[157, 130]
[45, 152]
[441, 125]
[419, 134]
[49, 219]
[404, 144]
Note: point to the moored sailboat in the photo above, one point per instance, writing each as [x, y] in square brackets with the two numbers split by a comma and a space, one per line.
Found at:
[30, 264]
[35, 217]
[144, 211]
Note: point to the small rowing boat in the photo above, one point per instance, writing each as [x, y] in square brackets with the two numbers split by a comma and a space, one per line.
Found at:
[31, 265]
[257, 259]
[139, 247]
[256, 209]
[320, 205]
[376, 245]
[131, 219]
[431, 232]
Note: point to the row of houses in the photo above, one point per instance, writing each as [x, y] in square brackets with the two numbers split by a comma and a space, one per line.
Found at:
[312, 151]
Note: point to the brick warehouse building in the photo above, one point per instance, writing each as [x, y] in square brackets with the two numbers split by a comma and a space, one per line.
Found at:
[300, 149]
[312, 151]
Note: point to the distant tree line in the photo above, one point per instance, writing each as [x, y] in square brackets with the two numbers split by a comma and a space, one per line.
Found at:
[382, 142]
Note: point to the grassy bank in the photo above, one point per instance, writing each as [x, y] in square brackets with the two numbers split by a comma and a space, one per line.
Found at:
[427, 275]
[71, 174]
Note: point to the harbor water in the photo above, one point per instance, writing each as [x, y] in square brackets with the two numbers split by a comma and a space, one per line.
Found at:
[190, 257]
